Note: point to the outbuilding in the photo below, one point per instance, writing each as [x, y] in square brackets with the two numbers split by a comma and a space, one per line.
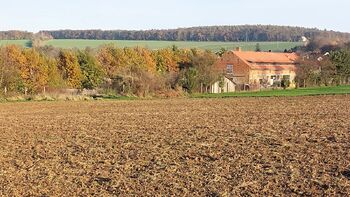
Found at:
[222, 86]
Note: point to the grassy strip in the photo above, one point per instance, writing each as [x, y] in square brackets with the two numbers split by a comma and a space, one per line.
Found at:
[314, 91]
[214, 46]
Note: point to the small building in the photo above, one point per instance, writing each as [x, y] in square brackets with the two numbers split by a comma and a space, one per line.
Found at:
[225, 85]
[255, 70]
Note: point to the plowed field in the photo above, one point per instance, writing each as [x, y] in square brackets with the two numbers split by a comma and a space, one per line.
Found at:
[181, 147]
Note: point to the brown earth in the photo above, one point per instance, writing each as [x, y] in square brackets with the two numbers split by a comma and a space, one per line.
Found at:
[182, 147]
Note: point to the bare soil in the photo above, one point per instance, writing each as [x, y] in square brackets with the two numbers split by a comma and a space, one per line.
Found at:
[182, 147]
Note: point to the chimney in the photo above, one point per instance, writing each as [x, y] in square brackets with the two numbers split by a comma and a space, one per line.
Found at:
[238, 49]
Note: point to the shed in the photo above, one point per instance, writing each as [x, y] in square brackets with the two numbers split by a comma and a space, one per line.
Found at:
[228, 86]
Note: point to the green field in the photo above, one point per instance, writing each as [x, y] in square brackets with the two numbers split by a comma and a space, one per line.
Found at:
[24, 43]
[214, 46]
[282, 93]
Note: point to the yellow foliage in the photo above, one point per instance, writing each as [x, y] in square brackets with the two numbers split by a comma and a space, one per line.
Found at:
[70, 67]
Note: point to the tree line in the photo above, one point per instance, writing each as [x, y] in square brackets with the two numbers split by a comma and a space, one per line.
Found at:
[15, 35]
[125, 71]
[209, 33]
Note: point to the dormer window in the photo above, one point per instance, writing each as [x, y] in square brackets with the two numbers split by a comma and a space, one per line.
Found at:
[229, 69]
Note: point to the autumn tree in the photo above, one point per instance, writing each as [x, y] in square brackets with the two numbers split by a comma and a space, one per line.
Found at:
[70, 68]
[10, 62]
[55, 78]
[166, 61]
[34, 72]
[110, 58]
[145, 59]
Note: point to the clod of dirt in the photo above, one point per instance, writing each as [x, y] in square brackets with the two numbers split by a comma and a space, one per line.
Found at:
[102, 180]
[213, 194]
[346, 174]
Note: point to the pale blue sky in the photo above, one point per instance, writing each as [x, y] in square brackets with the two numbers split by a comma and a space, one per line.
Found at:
[158, 14]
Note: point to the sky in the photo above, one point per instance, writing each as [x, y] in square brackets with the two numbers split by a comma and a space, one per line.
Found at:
[164, 14]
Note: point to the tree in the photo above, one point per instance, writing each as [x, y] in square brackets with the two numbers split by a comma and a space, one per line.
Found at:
[189, 79]
[341, 60]
[70, 68]
[308, 73]
[167, 61]
[145, 59]
[11, 60]
[111, 59]
[92, 73]
[55, 78]
[34, 71]
[207, 74]
[257, 47]
[328, 72]
[221, 52]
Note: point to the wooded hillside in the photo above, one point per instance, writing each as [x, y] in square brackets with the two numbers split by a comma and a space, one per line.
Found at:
[210, 33]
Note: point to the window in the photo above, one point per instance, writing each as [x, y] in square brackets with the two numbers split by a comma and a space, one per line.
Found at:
[229, 69]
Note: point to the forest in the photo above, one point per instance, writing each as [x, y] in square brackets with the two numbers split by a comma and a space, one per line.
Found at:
[261, 33]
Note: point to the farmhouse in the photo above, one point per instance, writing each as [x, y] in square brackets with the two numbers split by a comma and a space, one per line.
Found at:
[256, 70]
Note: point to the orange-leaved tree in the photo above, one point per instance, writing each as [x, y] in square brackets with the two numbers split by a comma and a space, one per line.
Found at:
[11, 60]
[34, 72]
[70, 68]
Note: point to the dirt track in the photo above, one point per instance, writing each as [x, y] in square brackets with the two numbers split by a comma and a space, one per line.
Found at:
[220, 147]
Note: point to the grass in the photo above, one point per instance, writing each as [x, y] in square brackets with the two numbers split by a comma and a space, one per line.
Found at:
[24, 43]
[282, 93]
[214, 46]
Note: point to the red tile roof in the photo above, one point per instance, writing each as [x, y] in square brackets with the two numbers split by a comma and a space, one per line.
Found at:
[267, 57]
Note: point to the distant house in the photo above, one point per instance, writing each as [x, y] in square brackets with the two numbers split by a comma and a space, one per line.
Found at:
[255, 70]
